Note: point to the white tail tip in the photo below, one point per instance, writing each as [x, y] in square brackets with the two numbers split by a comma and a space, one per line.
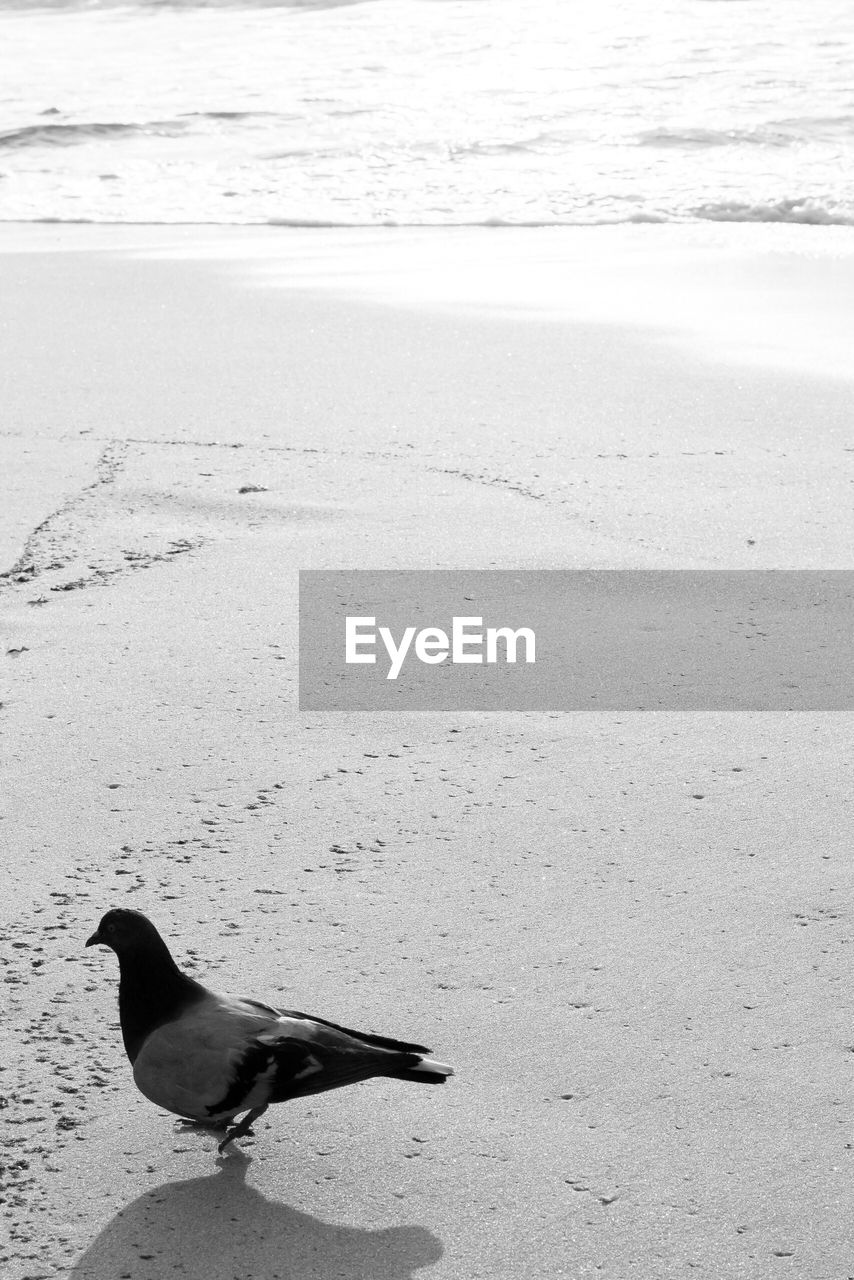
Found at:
[435, 1068]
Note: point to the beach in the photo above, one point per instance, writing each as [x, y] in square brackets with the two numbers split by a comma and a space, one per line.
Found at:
[626, 931]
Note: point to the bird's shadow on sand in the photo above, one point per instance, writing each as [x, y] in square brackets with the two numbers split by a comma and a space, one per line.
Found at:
[218, 1228]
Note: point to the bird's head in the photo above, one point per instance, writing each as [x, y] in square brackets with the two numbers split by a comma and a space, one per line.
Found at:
[125, 931]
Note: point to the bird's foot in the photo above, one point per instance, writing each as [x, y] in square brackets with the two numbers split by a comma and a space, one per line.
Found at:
[242, 1130]
[237, 1132]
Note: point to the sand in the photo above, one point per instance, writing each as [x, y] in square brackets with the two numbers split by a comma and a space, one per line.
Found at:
[627, 932]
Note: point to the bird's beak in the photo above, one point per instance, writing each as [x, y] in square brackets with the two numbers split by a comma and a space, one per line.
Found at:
[95, 941]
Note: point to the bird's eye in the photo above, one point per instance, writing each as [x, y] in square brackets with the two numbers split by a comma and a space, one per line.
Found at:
[111, 928]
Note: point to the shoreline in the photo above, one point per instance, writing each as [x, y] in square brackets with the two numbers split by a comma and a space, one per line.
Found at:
[645, 434]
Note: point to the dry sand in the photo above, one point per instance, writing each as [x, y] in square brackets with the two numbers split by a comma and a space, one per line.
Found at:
[628, 932]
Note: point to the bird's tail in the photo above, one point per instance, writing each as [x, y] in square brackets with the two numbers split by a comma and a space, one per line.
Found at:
[422, 1071]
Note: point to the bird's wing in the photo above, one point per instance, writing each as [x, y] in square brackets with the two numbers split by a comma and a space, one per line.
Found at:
[313, 1055]
[363, 1037]
[217, 1059]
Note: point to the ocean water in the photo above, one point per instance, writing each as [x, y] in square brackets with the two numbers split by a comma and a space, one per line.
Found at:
[421, 112]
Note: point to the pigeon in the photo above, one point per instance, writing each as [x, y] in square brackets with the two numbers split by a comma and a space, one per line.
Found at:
[209, 1058]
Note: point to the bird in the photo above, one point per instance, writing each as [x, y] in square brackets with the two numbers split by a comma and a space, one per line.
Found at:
[210, 1058]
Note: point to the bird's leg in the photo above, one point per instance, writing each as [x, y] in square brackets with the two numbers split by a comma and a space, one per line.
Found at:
[242, 1129]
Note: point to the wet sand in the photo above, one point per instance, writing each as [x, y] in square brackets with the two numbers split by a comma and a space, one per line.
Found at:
[627, 932]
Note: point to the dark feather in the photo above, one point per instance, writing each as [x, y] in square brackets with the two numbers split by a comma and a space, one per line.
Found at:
[381, 1042]
[255, 1061]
